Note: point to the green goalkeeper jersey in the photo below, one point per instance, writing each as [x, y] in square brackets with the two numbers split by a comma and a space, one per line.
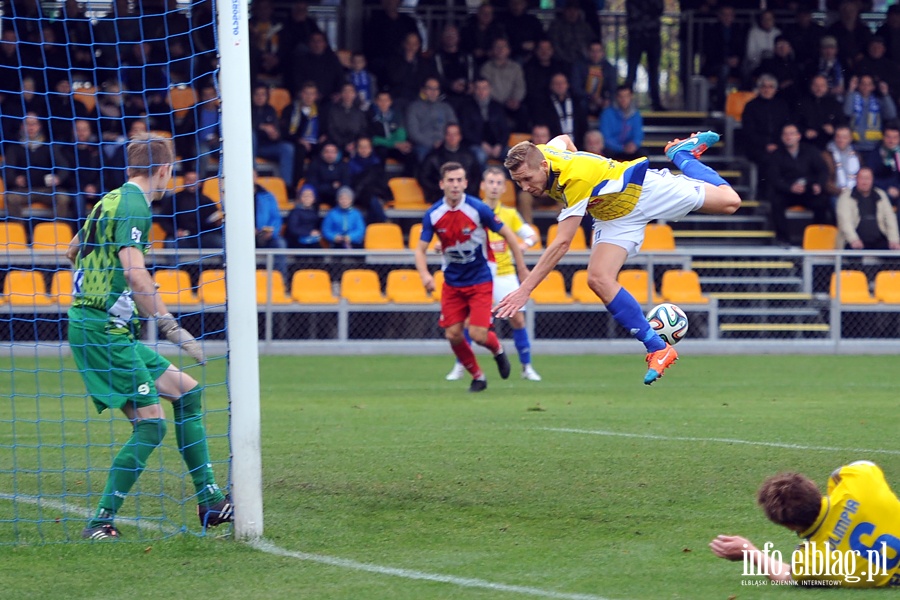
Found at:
[121, 219]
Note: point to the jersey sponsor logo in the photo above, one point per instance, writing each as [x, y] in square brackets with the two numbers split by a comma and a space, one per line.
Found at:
[144, 389]
[135, 234]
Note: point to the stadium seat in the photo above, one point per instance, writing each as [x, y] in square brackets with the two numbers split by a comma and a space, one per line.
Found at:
[508, 198]
[12, 237]
[735, 103]
[682, 287]
[854, 288]
[658, 237]
[887, 287]
[415, 233]
[516, 137]
[579, 242]
[52, 237]
[279, 98]
[26, 288]
[404, 286]
[438, 285]
[820, 237]
[552, 290]
[87, 95]
[211, 288]
[581, 292]
[211, 189]
[278, 188]
[383, 236]
[407, 194]
[175, 288]
[157, 236]
[361, 286]
[181, 99]
[61, 287]
[278, 295]
[637, 283]
[312, 286]
[2, 190]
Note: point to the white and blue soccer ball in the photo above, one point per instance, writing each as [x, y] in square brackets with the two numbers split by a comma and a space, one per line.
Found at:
[669, 322]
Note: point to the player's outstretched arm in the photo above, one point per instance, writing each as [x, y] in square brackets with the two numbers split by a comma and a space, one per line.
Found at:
[735, 548]
[422, 266]
[149, 303]
[514, 301]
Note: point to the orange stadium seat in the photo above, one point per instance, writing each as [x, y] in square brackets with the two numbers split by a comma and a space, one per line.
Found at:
[61, 287]
[508, 198]
[735, 103]
[581, 291]
[658, 237]
[312, 286]
[211, 288]
[404, 286]
[181, 99]
[52, 237]
[552, 290]
[361, 286]
[157, 236]
[854, 288]
[407, 194]
[579, 242]
[820, 237]
[87, 95]
[270, 288]
[887, 287]
[438, 285]
[278, 188]
[279, 98]
[12, 237]
[682, 287]
[383, 236]
[26, 288]
[2, 190]
[415, 233]
[516, 137]
[175, 288]
[211, 189]
[637, 283]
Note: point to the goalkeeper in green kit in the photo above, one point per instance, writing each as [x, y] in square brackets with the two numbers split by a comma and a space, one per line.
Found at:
[112, 287]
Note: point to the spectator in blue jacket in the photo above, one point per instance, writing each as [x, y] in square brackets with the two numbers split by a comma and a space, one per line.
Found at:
[303, 221]
[344, 226]
[268, 224]
[622, 127]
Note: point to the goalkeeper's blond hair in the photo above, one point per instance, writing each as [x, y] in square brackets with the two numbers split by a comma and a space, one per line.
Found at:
[147, 152]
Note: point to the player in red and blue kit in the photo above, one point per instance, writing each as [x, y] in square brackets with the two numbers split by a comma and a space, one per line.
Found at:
[461, 224]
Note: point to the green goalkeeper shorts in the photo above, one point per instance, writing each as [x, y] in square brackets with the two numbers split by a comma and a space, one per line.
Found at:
[116, 368]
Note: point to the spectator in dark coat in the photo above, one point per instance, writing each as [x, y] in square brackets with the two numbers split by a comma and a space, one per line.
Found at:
[538, 71]
[819, 113]
[784, 67]
[878, 65]
[296, 32]
[302, 124]
[594, 79]
[268, 141]
[482, 121]
[890, 32]
[561, 111]
[368, 180]
[851, 33]
[643, 21]
[327, 173]
[385, 30]
[190, 217]
[885, 162]
[406, 72]
[84, 157]
[761, 124]
[303, 227]
[722, 56]
[479, 33]
[450, 150]
[522, 29]
[805, 35]
[346, 121]
[454, 66]
[798, 176]
[319, 65]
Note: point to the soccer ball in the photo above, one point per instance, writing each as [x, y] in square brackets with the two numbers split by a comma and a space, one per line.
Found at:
[669, 322]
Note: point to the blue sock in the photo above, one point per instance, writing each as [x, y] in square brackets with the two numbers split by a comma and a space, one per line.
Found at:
[523, 345]
[695, 169]
[627, 313]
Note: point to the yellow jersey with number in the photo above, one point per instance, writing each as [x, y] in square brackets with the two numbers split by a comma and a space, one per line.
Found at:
[502, 254]
[860, 520]
[605, 188]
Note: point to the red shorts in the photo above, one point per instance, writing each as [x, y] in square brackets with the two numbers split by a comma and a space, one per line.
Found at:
[473, 301]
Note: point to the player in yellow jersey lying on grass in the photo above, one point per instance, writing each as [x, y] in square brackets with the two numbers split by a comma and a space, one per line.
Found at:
[622, 197]
[493, 184]
[851, 535]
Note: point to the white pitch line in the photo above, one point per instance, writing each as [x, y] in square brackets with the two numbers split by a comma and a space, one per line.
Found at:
[333, 561]
[670, 438]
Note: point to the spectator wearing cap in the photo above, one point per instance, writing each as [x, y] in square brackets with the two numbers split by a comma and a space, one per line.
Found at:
[890, 32]
[879, 66]
[829, 67]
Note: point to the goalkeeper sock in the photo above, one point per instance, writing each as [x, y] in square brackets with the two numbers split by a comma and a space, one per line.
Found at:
[695, 169]
[627, 313]
[127, 467]
[191, 437]
[523, 345]
[466, 358]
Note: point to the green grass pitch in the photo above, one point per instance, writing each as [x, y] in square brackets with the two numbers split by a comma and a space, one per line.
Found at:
[383, 481]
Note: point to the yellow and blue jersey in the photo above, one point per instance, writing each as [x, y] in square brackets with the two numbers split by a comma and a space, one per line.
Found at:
[604, 188]
[502, 254]
[859, 519]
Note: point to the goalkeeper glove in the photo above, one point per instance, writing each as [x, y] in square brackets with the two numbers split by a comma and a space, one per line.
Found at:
[179, 336]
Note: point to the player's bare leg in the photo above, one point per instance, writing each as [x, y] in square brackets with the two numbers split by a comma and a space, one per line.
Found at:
[603, 269]
[721, 199]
